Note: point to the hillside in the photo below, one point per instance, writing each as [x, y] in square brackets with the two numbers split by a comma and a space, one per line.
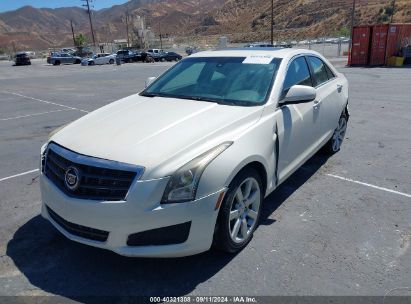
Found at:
[241, 20]
[249, 20]
[31, 28]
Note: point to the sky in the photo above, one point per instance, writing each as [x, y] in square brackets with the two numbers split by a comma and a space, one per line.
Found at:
[9, 5]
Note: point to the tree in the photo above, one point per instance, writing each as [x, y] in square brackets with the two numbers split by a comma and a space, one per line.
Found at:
[344, 32]
[80, 40]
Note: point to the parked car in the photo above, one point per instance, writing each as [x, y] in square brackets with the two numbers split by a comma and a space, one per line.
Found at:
[68, 50]
[128, 56]
[173, 56]
[100, 59]
[259, 45]
[168, 56]
[157, 54]
[191, 50]
[22, 59]
[233, 126]
[51, 54]
[145, 57]
[64, 58]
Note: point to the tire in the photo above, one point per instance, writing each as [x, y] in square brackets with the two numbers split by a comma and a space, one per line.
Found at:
[57, 62]
[92, 63]
[111, 61]
[162, 59]
[335, 142]
[77, 61]
[237, 221]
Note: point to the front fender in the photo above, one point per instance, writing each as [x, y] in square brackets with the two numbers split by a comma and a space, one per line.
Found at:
[256, 145]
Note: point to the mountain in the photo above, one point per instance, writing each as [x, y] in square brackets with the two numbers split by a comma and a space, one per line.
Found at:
[241, 20]
[32, 28]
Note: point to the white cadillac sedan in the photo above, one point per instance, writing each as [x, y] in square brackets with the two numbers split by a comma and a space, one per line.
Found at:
[100, 59]
[187, 163]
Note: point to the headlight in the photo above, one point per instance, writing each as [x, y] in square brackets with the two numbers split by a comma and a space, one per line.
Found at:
[182, 186]
[43, 156]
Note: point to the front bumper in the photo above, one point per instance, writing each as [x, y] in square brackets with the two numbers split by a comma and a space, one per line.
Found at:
[141, 212]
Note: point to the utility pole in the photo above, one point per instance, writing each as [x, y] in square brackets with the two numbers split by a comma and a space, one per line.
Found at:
[352, 24]
[272, 22]
[72, 32]
[87, 5]
[161, 38]
[128, 36]
[393, 11]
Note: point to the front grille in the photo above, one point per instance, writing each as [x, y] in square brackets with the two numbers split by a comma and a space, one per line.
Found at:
[78, 230]
[98, 179]
[176, 234]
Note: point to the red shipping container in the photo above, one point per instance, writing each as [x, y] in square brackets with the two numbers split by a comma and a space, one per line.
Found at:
[379, 35]
[360, 45]
[399, 36]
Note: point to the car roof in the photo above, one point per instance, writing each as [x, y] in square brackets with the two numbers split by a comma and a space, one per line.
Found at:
[246, 52]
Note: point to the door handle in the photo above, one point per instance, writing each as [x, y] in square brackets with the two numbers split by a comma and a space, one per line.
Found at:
[317, 104]
[339, 88]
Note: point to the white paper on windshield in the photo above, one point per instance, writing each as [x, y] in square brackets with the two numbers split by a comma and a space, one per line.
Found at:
[258, 59]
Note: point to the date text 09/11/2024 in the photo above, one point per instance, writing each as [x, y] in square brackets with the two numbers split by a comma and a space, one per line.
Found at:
[204, 299]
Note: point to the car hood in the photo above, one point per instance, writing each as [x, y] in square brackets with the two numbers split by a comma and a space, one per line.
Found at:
[160, 134]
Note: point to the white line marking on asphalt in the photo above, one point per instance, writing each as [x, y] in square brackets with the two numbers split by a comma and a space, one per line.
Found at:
[17, 175]
[369, 185]
[45, 101]
[35, 114]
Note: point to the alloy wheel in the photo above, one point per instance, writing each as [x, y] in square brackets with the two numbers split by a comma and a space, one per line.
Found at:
[244, 210]
[339, 134]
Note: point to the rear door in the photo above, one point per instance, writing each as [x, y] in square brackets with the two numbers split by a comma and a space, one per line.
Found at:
[65, 58]
[329, 97]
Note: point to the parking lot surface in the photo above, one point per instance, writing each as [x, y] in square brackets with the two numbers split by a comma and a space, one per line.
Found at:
[338, 226]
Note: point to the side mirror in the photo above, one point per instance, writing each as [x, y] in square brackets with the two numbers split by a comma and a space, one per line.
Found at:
[299, 94]
[150, 80]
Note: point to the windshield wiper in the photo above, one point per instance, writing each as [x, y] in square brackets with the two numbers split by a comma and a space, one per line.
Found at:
[198, 98]
[149, 94]
[242, 103]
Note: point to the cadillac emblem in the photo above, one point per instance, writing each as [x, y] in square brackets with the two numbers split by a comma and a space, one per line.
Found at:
[72, 178]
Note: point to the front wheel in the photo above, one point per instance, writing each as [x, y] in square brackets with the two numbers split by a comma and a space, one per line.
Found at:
[240, 212]
[335, 142]
[111, 61]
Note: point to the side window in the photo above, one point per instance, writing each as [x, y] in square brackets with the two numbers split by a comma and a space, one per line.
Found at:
[297, 74]
[319, 69]
[329, 72]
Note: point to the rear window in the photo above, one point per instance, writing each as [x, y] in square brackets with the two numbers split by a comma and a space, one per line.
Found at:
[320, 70]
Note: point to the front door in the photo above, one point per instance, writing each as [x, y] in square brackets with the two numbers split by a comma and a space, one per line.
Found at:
[296, 123]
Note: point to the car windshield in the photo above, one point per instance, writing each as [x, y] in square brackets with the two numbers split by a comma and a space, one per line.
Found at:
[225, 80]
